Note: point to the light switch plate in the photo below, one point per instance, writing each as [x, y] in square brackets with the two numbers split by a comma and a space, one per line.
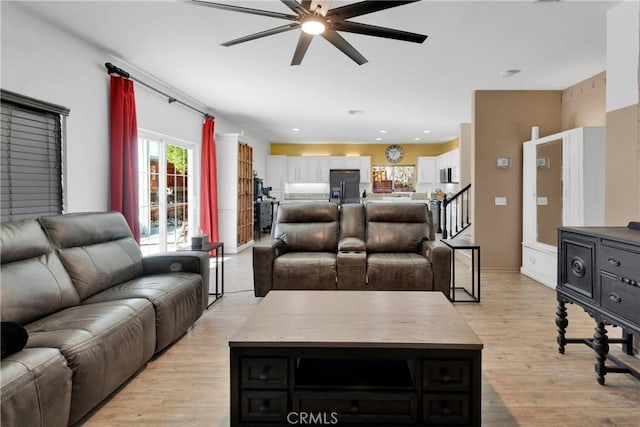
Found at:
[501, 201]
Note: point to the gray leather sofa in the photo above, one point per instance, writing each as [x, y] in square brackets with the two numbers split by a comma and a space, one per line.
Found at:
[95, 310]
[380, 246]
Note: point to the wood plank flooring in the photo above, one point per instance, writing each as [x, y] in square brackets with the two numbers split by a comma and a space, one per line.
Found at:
[526, 382]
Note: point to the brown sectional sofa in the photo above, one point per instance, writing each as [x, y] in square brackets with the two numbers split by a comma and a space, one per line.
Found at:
[378, 246]
[95, 310]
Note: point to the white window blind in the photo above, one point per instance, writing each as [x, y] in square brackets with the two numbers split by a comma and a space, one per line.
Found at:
[31, 157]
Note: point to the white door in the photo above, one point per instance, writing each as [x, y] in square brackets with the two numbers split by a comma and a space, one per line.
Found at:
[168, 205]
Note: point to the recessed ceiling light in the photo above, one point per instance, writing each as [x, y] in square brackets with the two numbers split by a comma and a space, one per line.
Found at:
[509, 73]
[427, 131]
[383, 131]
[295, 130]
[416, 139]
[378, 139]
[356, 112]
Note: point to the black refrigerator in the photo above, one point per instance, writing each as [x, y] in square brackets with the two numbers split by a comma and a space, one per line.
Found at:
[344, 186]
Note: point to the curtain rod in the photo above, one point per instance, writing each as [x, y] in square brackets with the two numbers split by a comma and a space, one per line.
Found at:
[112, 69]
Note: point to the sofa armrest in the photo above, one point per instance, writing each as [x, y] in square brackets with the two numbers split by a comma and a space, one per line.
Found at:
[264, 253]
[440, 257]
[186, 261]
[351, 244]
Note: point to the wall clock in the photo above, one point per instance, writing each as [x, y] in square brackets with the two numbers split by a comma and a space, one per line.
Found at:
[394, 153]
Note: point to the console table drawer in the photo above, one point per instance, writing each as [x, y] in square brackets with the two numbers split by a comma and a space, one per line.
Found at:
[447, 409]
[621, 298]
[622, 263]
[360, 407]
[264, 373]
[270, 406]
[446, 375]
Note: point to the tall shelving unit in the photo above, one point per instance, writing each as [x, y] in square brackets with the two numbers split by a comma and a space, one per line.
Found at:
[235, 191]
[245, 193]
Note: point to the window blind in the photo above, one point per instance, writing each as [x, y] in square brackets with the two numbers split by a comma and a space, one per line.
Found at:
[31, 157]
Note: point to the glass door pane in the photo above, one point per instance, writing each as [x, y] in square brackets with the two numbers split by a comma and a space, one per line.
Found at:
[177, 196]
[166, 195]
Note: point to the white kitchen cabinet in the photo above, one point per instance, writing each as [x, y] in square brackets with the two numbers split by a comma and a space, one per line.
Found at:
[344, 162]
[308, 169]
[562, 185]
[427, 170]
[365, 169]
[276, 173]
[317, 168]
[296, 171]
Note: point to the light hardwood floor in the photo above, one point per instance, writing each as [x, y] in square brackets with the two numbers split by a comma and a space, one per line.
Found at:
[526, 381]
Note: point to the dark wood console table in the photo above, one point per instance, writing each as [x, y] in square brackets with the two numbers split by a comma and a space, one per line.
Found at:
[355, 358]
[599, 270]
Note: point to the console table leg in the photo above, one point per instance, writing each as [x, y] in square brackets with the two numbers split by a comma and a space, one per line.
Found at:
[601, 347]
[561, 322]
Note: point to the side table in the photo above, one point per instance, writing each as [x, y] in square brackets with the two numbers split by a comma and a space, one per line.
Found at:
[218, 247]
[457, 244]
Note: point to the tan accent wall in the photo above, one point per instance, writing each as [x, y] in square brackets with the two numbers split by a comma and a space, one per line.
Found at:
[375, 151]
[585, 104]
[465, 154]
[622, 175]
[502, 121]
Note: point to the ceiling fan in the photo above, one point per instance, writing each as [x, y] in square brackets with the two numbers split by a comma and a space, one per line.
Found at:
[315, 18]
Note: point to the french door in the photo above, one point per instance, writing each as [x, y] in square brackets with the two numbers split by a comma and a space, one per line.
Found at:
[168, 206]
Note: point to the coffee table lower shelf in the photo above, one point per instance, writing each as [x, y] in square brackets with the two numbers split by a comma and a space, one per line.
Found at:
[355, 386]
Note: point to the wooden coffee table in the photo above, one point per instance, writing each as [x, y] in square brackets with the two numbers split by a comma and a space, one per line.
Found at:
[355, 357]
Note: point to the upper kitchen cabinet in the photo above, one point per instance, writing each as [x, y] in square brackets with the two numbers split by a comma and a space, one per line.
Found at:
[427, 170]
[365, 169]
[308, 169]
[450, 160]
[276, 172]
[344, 162]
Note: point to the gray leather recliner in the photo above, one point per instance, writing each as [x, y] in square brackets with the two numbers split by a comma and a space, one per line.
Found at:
[95, 310]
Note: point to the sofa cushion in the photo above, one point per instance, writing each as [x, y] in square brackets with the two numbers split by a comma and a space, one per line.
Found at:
[97, 249]
[399, 271]
[352, 221]
[396, 228]
[104, 344]
[34, 281]
[36, 388]
[305, 270]
[309, 227]
[176, 298]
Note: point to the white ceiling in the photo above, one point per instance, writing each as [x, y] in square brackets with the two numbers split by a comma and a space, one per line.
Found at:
[405, 88]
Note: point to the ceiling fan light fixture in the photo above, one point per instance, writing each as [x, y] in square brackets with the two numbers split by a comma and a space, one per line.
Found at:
[313, 26]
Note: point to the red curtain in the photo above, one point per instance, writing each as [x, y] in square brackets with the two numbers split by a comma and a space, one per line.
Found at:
[209, 182]
[124, 152]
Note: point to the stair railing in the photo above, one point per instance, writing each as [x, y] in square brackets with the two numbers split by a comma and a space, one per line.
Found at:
[455, 213]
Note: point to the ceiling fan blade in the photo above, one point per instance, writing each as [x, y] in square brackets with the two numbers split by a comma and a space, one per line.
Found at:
[373, 30]
[338, 41]
[296, 7]
[364, 7]
[303, 44]
[261, 34]
[245, 10]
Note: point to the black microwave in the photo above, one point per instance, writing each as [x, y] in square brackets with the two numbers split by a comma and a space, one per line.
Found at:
[445, 175]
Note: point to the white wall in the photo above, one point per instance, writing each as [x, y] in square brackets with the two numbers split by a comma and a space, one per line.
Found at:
[623, 45]
[42, 61]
